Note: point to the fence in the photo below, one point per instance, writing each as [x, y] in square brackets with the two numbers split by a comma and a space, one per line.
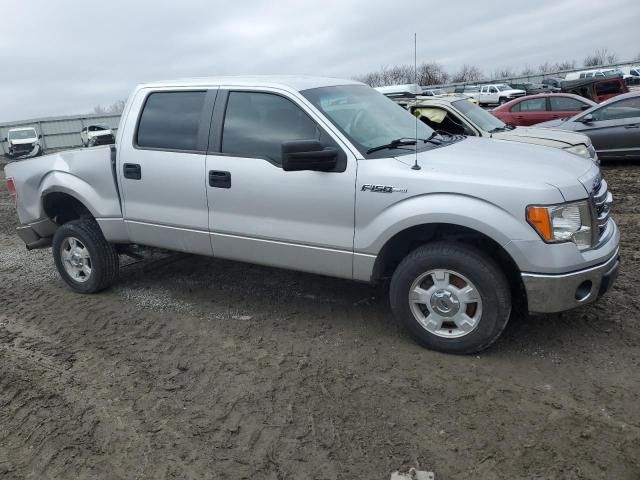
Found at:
[59, 133]
[534, 77]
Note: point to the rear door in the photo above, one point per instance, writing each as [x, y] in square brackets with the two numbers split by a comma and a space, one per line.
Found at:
[161, 163]
[302, 220]
[530, 111]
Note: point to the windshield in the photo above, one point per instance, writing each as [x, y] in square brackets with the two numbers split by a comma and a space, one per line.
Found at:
[367, 118]
[481, 118]
[22, 134]
[502, 88]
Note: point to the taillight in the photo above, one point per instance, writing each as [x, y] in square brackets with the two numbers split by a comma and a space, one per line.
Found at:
[11, 186]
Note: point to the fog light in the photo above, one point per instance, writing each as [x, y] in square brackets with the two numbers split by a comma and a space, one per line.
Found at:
[584, 290]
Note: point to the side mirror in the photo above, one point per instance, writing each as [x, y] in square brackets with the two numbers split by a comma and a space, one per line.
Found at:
[300, 155]
[588, 118]
[40, 136]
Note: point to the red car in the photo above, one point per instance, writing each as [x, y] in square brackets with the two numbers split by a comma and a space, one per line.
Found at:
[543, 107]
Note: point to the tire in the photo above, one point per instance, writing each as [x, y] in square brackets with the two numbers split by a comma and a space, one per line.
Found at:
[502, 101]
[484, 305]
[100, 263]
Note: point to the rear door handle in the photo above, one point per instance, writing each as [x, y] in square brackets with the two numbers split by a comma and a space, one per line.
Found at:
[219, 179]
[132, 171]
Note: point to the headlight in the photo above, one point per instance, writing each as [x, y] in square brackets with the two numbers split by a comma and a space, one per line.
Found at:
[569, 222]
[581, 150]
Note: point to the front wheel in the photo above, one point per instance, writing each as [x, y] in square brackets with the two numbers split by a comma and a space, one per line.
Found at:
[83, 257]
[502, 101]
[451, 297]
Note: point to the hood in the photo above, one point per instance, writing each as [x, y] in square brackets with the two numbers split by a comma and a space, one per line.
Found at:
[514, 90]
[23, 141]
[543, 136]
[517, 165]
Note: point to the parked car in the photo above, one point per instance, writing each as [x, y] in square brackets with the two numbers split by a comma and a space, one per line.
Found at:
[594, 73]
[613, 126]
[23, 142]
[596, 89]
[631, 75]
[552, 82]
[472, 92]
[498, 93]
[541, 108]
[534, 88]
[433, 92]
[456, 116]
[94, 135]
[326, 176]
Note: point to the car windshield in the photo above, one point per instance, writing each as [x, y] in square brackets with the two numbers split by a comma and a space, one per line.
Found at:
[502, 88]
[368, 118]
[22, 134]
[481, 118]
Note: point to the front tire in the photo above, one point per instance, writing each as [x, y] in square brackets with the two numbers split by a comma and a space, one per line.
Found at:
[502, 101]
[451, 297]
[83, 257]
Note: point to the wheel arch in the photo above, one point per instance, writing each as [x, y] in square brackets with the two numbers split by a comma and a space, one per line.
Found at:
[405, 241]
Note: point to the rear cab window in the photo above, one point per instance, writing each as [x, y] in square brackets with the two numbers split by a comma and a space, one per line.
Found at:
[171, 121]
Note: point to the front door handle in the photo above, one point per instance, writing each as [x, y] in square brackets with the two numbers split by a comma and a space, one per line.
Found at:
[219, 179]
[132, 171]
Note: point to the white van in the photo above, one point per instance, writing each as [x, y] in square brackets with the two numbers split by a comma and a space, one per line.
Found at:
[601, 72]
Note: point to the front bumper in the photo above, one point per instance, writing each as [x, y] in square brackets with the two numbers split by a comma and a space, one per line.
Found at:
[560, 292]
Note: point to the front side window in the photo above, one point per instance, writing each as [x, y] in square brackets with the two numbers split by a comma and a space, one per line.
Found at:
[171, 120]
[493, 90]
[533, 105]
[368, 118]
[256, 124]
[566, 104]
[629, 108]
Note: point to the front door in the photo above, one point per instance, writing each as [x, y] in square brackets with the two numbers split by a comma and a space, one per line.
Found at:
[261, 214]
[162, 172]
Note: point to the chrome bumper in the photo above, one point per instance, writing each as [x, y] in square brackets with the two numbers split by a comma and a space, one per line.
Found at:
[557, 293]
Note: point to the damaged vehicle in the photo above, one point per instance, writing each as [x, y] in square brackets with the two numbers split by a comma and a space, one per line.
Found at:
[330, 177]
[455, 115]
[23, 142]
[94, 135]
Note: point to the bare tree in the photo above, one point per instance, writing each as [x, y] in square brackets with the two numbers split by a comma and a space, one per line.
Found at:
[114, 108]
[600, 57]
[544, 67]
[431, 74]
[637, 59]
[504, 73]
[566, 65]
[468, 73]
[527, 70]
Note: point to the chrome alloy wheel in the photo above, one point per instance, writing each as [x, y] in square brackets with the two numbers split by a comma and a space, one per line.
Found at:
[76, 259]
[445, 303]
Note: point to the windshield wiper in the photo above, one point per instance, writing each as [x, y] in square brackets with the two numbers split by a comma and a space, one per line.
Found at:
[400, 142]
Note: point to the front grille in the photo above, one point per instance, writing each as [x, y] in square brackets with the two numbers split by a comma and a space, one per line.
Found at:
[23, 147]
[602, 201]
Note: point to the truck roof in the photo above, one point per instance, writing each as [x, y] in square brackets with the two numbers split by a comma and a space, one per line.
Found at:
[294, 82]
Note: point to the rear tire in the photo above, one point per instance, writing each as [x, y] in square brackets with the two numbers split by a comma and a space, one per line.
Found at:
[83, 257]
[451, 297]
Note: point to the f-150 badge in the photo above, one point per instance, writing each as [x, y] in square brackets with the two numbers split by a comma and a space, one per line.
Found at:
[367, 187]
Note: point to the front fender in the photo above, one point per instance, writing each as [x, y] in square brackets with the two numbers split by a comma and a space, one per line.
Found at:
[466, 211]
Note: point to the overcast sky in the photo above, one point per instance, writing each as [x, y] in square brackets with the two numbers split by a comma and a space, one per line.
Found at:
[64, 57]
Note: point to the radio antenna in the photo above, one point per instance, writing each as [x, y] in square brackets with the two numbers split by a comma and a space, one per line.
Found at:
[415, 80]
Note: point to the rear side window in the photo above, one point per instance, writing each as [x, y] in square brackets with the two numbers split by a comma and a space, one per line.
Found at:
[170, 121]
[566, 104]
[256, 124]
[533, 105]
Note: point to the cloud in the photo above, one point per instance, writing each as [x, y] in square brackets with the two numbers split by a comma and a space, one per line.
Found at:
[65, 57]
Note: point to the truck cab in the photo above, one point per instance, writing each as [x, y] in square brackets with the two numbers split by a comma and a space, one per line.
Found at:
[498, 93]
[330, 177]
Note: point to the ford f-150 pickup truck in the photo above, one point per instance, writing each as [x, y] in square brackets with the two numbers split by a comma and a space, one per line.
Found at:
[328, 176]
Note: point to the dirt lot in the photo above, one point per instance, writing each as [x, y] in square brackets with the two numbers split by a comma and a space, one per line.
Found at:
[199, 368]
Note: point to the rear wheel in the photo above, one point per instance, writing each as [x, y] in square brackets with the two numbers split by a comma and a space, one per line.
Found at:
[451, 297]
[83, 257]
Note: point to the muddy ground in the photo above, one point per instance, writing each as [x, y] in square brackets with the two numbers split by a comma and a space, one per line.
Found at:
[200, 368]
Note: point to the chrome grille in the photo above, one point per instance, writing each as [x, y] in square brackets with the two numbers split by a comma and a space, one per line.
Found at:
[602, 201]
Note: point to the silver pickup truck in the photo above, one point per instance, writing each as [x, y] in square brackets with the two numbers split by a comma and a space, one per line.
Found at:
[330, 177]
